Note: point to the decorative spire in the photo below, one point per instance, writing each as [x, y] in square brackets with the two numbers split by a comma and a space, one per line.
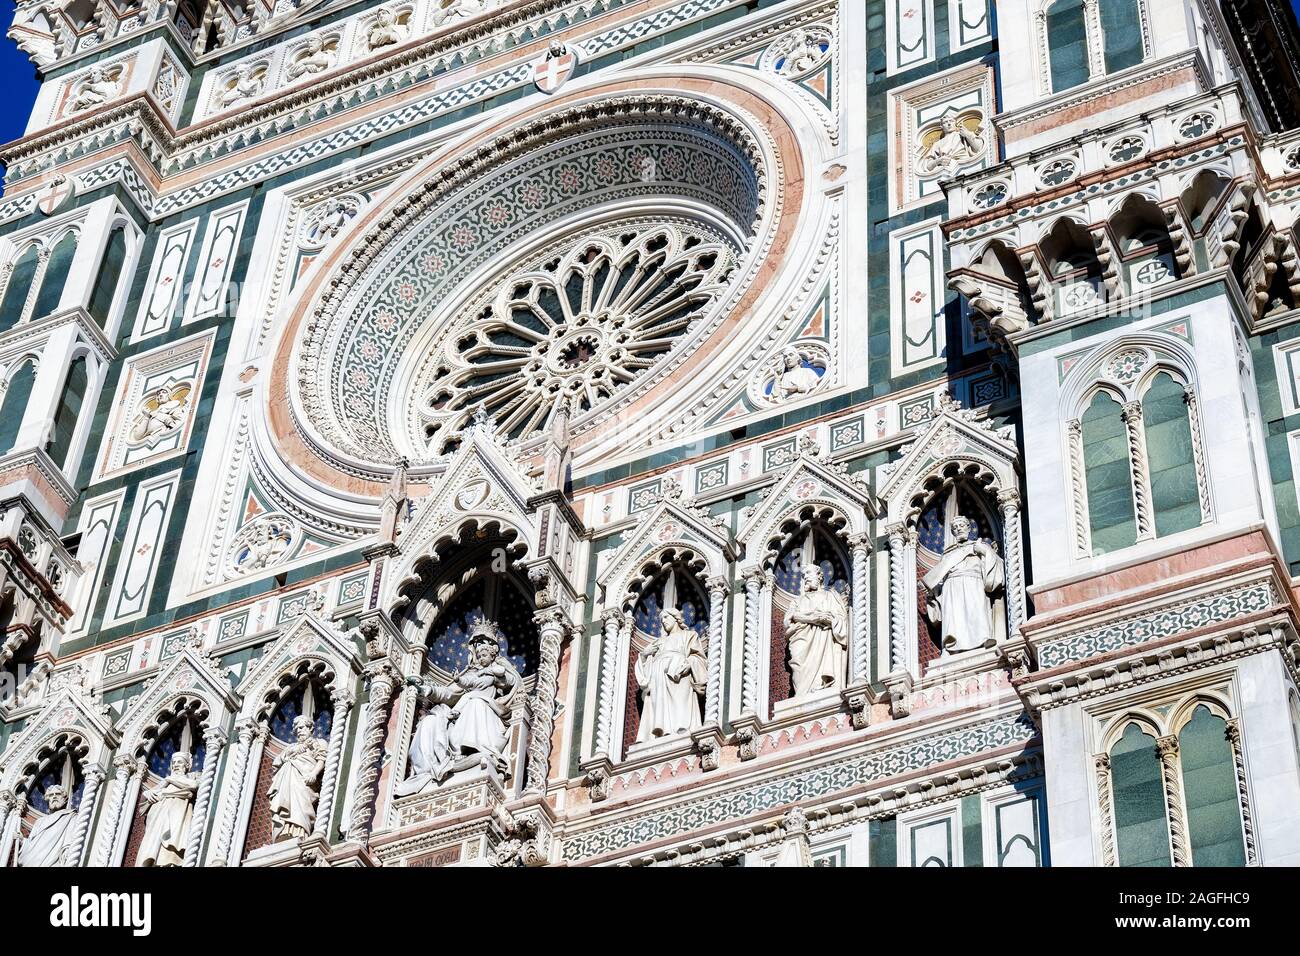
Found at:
[558, 456]
[394, 503]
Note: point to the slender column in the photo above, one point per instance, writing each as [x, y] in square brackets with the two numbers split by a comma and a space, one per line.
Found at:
[860, 656]
[93, 777]
[1167, 748]
[1233, 733]
[124, 767]
[1095, 45]
[552, 625]
[245, 731]
[382, 682]
[1013, 555]
[1078, 488]
[902, 597]
[753, 644]
[717, 636]
[1198, 453]
[343, 700]
[1102, 764]
[214, 741]
[1137, 454]
[611, 625]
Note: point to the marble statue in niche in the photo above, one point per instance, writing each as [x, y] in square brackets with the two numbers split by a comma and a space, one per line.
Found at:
[817, 633]
[960, 590]
[243, 85]
[50, 834]
[468, 724]
[161, 412]
[794, 377]
[953, 145]
[315, 58]
[385, 31]
[295, 787]
[671, 672]
[168, 808]
[99, 87]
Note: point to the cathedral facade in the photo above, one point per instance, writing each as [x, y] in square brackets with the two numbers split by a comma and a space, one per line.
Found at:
[651, 433]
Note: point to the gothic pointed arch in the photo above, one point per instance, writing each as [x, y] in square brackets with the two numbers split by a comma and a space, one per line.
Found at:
[957, 466]
[677, 559]
[68, 744]
[189, 707]
[818, 513]
[309, 672]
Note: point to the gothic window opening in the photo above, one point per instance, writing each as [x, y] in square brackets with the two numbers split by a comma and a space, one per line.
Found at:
[18, 287]
[1179, 798]
[108, 278]
[1121, 30]
[1209, 775]
[1137, 459]
[1111, 518]
[55, 276]
[18, 389]
[935, 536]
[815, 545]
[1141, 820]
[1174, 495]
[68, 415]
[677, 588]
[1067, 44]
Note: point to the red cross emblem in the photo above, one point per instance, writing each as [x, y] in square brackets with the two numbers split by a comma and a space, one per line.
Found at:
[54, 194]
[550, 73]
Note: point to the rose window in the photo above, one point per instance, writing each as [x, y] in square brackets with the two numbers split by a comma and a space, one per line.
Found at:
[579, 322]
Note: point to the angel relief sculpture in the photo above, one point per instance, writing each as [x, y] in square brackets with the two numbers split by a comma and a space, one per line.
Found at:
[467, 726]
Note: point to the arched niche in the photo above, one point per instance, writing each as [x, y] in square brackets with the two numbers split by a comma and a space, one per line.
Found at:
[810, 537]
[180, 728]
[958, 466]
[671, 581]
[304, 693]
[677, 553]
[311, 670]
[478, 580]
[68, 743]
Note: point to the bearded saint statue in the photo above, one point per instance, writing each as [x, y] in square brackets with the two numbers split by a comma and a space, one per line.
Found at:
[817, 633]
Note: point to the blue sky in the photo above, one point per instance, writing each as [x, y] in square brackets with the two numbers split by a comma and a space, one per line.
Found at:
[18, 79]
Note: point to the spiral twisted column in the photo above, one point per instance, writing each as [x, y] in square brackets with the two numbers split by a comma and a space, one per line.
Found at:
[343, 701]
[245, 731]
[552, 626]
[382, 683]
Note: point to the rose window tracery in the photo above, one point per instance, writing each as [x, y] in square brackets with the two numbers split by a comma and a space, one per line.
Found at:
[588, 254]
[582, 322]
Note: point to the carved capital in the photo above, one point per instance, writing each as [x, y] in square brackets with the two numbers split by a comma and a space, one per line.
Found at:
[718, 585]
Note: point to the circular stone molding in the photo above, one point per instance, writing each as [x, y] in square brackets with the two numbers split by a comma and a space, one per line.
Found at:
[595, 251]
